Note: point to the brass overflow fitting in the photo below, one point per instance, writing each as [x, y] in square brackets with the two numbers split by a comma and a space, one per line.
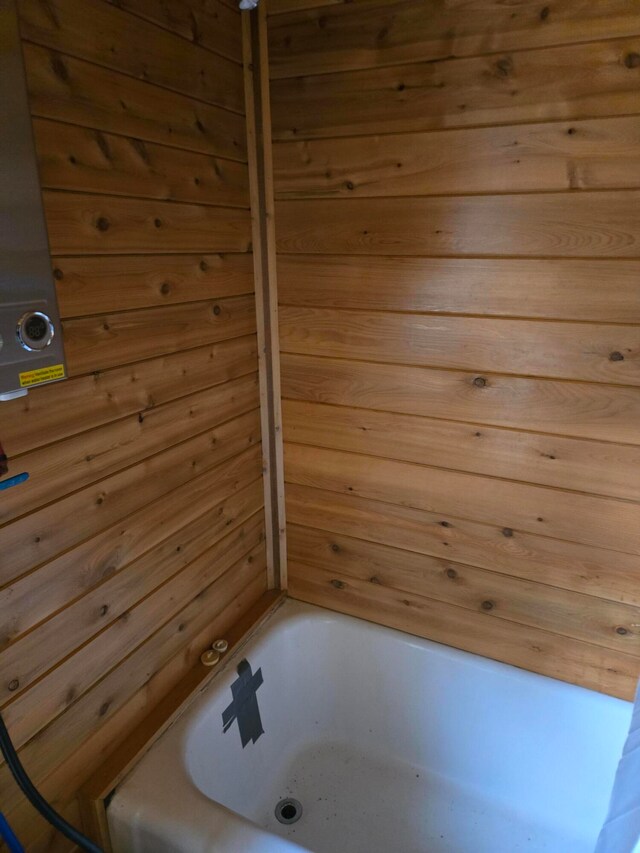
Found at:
[212, 656]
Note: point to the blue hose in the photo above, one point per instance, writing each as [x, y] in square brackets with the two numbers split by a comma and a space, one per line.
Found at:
[13, 481]
[35, 797]
[8, 836]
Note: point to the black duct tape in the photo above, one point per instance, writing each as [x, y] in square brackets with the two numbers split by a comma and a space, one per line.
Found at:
[244, 707]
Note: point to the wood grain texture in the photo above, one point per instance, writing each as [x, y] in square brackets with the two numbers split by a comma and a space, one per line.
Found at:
[374, 33]
[110, 340]
[26, 659]
[92, 562]
[596, 154]
[84, 160]
[43, 418]
[142, 527]
[210, 23]
[44, 534]
[96, 285]
[560, 225]
[104, 34]
[98, 224]
[575, 517]
[557, 350]
[584, 617]
[94, 797]
[49, 840]
[83, 459]
[571, 81]
[256, 78]
[457, 251]
[280, 6]
[232, 609]
[604, 412]
[230, 613]
[531, 556]
[63, 88]
[534, 649]
[581, 465]
[53, 753]
[596, 290]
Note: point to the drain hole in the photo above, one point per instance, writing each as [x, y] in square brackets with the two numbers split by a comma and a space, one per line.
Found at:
[288, 810]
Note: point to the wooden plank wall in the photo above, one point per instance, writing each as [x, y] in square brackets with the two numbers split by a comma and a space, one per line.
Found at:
[140, 534]
[458, 229]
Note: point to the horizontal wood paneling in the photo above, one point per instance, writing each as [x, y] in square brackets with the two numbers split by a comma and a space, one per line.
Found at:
[36, 538]
[550, 460]
[530, 648]
[240, 593]
[78, 92]
[210, 23]
[109, 36]
[458, 248]
[140, 532]
[91, 562]
[378, 32]
[571, 81]
[26, 659]
[559, 350]
[605, 412]
[591, 520]
[584, 617]
[563, 225]
[88, 457]
[96, 343]
[596, 154]
[603, 291]
[280, 6]
[86, 160]
[43, 417]
[59, 743]
[115, 574]
[99, 224]
[531, 556]
[88, 285]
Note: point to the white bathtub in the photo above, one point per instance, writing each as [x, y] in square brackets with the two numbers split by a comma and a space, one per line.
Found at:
[390, 743]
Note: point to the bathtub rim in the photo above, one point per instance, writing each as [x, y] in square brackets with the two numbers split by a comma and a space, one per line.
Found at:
[283, 610]
[96, 794]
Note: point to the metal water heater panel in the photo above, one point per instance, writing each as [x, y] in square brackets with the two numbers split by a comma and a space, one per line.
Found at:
[31, 350]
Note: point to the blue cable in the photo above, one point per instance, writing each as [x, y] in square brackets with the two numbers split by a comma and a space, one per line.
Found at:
[13, 481]
[8, 836]
[35, 797]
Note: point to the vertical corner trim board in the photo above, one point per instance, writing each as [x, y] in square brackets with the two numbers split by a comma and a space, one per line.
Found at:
[458, 232]
[256, 75]
[140, 534]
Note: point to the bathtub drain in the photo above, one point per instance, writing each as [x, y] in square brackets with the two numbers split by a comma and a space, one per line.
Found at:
[288, 810]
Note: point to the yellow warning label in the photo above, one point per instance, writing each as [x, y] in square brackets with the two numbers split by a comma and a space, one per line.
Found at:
[43, 374]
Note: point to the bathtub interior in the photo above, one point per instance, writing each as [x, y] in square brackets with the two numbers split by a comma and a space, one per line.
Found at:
[394, 743]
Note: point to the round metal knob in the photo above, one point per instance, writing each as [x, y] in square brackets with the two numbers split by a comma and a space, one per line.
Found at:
[35, 331]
